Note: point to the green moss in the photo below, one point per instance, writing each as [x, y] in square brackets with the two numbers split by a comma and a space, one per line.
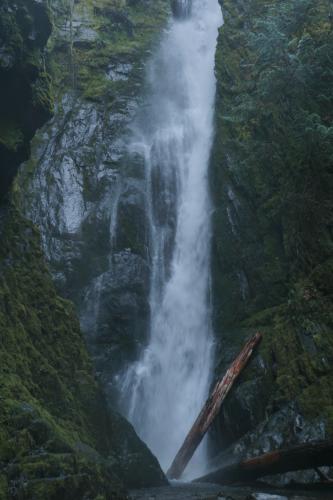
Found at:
[272, 150]
[3, 486]
[50, 401]
[298, 352]
[124, 34]
[42, 96]
[96, 88]
[11, 136]
[57, 438]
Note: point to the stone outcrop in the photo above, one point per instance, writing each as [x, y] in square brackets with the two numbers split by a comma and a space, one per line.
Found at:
[82, 187]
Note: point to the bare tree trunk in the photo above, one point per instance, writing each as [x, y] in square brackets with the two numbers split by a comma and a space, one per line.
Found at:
[304, 456]
[211, 409]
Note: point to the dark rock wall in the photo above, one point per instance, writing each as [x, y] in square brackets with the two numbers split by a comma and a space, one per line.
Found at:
[25, 96]
[271, 182]
[58, 439]
[82, 187]
[271, 178]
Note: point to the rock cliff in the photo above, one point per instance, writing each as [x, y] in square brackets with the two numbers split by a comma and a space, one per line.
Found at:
[271, 178]
[82, 187]
[58, 438]
[271, 182]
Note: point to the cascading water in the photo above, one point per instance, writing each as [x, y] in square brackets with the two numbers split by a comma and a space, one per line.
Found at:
[166, 388]
[181, 8]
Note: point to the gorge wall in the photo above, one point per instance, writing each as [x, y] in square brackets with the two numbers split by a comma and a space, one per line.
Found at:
[272, 270]
[58, 438]
[82, 187]
[271, 177]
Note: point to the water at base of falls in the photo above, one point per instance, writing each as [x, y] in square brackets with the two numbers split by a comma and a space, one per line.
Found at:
[165, 389]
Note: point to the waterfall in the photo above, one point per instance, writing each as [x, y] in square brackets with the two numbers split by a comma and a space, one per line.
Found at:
[166, 388]
[181, 8]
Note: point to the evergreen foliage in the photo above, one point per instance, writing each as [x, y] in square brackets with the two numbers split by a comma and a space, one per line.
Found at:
[272, 183]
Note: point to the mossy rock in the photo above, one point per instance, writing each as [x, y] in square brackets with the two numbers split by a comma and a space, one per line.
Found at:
[57, 438]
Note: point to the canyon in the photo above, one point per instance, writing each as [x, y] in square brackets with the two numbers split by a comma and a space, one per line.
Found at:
[165, 193]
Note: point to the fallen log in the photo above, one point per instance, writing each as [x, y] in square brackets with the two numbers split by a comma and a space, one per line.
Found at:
[305, 456]
[211, 409]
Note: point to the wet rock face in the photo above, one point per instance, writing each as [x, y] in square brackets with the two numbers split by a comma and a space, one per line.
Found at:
[82, 197]
[92, 217]
[84, 188]
[116, 324]
[286, 427]
[57, 437]
[25, 97]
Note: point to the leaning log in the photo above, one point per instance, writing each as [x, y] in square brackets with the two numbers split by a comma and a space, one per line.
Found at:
[305, 456]
[211, 409]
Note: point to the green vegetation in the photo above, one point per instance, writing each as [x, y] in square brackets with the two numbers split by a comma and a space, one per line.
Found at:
[111, 32]
[58, 439]
[53, 416]
[11, 137]
[272, 183]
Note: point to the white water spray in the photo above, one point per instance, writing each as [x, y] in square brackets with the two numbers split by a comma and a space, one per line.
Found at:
[166, 388]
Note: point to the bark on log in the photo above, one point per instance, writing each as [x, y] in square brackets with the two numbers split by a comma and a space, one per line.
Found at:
[211, 409]
[301, 457]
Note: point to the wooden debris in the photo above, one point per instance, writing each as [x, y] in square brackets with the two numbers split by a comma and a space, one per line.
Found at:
[305, 456]
[211, 409]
